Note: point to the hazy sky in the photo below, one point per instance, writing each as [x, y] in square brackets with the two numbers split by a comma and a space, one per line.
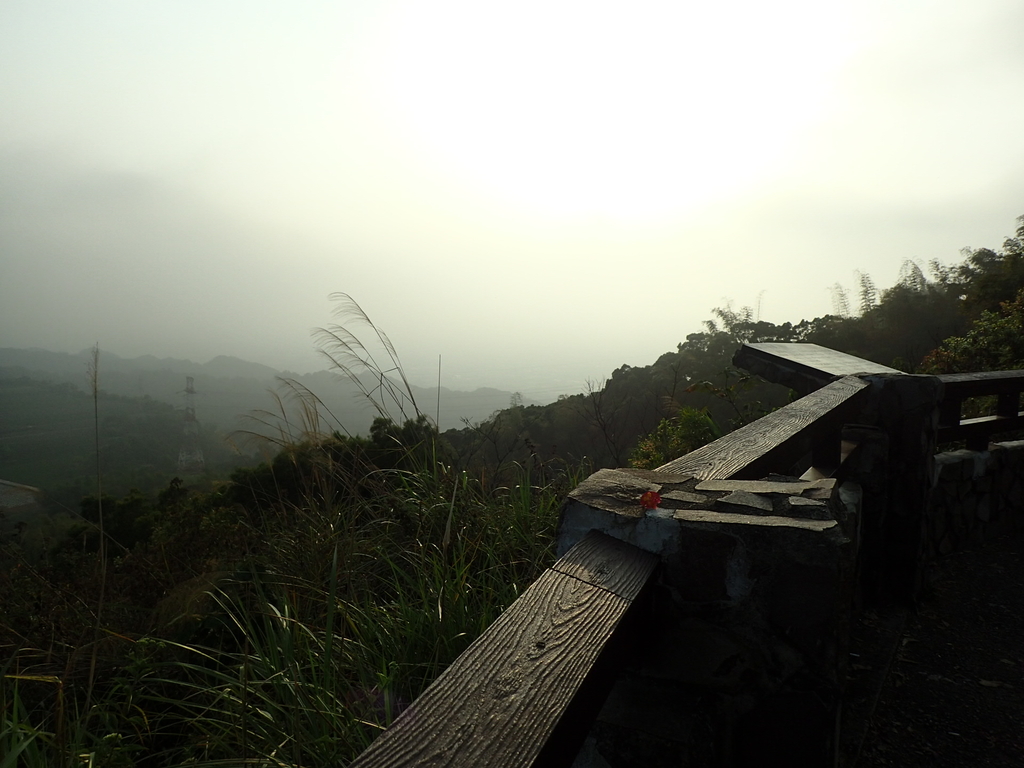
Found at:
[538, 192]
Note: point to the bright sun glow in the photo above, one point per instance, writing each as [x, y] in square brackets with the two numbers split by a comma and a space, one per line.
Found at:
[631, 110]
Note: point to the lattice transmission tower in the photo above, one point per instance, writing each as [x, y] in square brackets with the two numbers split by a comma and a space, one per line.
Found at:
[190, 457]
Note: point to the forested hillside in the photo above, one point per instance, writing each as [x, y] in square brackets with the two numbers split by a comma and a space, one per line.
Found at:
[47, 432]
[48, 440]
[228, 388]
[287, 614]
[917, 325]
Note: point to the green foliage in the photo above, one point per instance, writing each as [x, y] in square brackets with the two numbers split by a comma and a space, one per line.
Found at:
[738, 393]
[286, 616]
[898, 326]
[21, 742]
[297, 631]
[990, 278]
[305, 603]
[128, 520]
[674, 437]
[602, 425]
[995, 342]
[49, 441]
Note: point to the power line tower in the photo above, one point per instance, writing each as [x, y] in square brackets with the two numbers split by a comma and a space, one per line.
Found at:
[190, 457]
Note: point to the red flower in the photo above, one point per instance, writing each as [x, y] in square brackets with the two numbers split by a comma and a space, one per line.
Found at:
[650, 500]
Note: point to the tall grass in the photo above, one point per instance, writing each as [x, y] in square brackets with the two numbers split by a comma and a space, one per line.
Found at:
[304, 667]
[364, 586]
[94, 381]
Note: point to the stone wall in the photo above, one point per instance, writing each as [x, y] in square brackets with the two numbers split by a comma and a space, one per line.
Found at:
[975, 496]
[750, 620]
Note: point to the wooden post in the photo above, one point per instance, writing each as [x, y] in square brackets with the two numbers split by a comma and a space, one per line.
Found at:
[1008, 405]
[906, 407]
[949, 411]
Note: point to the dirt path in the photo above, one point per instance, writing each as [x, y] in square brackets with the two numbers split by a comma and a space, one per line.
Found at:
[954, 695]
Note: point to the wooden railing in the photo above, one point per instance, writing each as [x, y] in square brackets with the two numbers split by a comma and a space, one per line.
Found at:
[958, 387]
[811, 425]
[526, 692]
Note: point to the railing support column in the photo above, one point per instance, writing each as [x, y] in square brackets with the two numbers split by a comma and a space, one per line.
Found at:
[906, 407]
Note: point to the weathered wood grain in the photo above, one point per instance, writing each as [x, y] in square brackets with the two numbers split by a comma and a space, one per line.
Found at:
[771, 442]
[1006, 385]
[961, 385]
[803, 367]
[608, 563]
[500, 701]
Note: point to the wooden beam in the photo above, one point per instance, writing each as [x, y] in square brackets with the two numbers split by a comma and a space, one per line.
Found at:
[774, 442]
[1008, 404]
[978, 430]
[1005, 385]
[524, 694]
[962, 385]
[803, 367]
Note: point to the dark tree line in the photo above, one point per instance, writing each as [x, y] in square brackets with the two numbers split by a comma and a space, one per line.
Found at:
[969, 316]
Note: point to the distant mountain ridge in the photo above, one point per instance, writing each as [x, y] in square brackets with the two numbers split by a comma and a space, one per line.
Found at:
[229, 388]
[38, 359]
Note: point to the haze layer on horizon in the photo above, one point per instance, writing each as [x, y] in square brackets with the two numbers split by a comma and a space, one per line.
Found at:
[535, 192]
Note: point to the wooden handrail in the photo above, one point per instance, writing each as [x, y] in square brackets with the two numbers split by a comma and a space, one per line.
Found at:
[802, 367]
[525, 693]
[776, 441]
[962, 385]
[957, 387]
